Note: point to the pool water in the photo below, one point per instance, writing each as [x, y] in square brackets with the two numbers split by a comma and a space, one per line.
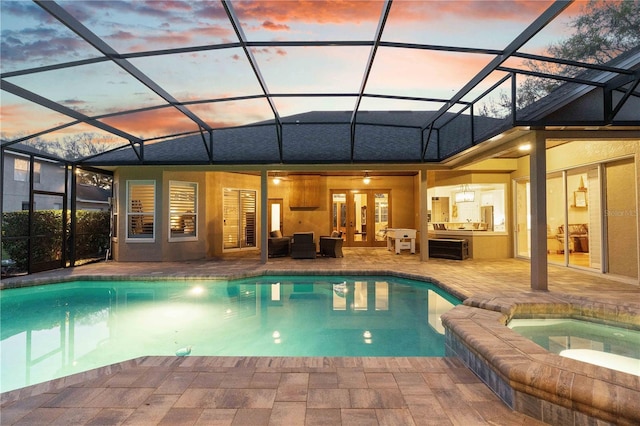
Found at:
[608, 346]
[56, 330]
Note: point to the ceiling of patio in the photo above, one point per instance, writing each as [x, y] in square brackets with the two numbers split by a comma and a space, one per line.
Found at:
[81, 78]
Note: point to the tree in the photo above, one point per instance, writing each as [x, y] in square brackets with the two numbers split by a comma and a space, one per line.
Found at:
[601, 32]
[75, 147]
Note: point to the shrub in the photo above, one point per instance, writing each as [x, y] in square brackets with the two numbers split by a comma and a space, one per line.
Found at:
[92, 237]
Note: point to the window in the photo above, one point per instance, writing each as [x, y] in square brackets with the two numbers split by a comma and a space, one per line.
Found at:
[36, 172]
[481, 207]
[141, 211]
[183, 208]
[21, 170]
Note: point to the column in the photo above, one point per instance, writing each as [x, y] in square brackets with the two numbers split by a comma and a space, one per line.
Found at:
[538, 172]
[424, 226]
[264, 227]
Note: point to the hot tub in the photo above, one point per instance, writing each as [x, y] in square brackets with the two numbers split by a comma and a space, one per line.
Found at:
[530, 378]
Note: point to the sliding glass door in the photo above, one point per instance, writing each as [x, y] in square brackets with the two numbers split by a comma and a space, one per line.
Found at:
[574, 218]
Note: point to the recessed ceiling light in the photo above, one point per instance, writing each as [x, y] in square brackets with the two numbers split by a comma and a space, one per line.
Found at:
[524, 147]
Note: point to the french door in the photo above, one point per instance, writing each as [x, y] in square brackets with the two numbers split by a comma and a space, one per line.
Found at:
[362, 216]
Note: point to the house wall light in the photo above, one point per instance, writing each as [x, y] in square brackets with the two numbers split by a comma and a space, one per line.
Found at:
[366, 179]
[276, 179]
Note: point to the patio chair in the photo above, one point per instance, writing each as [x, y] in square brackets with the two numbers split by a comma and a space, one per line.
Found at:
[278, 245]
[331, 246]
[303, 245]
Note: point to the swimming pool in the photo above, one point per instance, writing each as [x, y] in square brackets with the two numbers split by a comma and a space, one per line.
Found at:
[56, 330]
[604, 345]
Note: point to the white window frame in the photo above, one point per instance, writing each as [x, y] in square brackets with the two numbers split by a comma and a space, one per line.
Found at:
[151, 238]
[176, 237]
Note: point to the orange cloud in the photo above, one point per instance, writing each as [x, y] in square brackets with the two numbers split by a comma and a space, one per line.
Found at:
[309, 11]
[17, 119]
[404, 70]
[153, 123]
[349, 12]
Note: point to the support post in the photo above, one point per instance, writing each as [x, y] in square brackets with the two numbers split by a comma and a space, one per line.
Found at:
[424, 225]
[538, 172]
[264, 228]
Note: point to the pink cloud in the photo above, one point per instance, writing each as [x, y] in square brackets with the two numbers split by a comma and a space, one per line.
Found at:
[482, 10]
[268, 25]
[345, 12]
[423, 71]
[123, 35]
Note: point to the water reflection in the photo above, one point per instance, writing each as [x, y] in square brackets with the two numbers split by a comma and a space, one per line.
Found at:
[53, 331]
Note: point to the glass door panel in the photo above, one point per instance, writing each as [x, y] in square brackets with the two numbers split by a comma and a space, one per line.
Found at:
[583, 207]
[239, 218]
[48, 233]
[231, 219]
[362, 216]
[358, 221]
[339, 212]
[381, 219]
[523, 219]
[555, 218]
[275, 218]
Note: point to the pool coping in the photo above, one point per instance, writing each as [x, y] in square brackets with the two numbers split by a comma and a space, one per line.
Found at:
[532, 380]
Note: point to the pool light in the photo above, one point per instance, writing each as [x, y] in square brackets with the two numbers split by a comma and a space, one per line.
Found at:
[197, 290]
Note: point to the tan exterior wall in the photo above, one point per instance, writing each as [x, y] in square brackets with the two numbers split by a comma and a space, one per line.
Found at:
[302, 219]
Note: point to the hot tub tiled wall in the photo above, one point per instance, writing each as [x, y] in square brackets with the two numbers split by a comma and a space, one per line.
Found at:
[531, 380]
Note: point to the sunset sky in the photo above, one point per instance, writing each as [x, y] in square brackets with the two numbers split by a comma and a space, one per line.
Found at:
[31, 39]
